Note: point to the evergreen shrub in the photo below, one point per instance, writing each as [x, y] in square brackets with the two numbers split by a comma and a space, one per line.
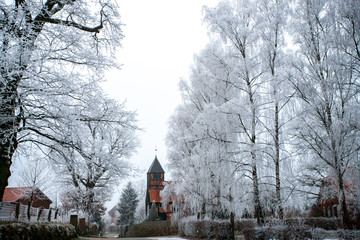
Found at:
[207, 229]
[151, 229]
[323, 223]
[240, 225]
[37, 231]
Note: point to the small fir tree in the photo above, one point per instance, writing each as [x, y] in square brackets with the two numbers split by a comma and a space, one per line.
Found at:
[127, 206]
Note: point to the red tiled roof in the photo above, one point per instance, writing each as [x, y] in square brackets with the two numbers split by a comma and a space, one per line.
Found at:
[15, 193]
[112, 212]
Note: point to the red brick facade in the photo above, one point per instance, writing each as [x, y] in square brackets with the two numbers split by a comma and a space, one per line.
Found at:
[155, 183]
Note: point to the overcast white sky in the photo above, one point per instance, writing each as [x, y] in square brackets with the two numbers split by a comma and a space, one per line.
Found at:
[161, 37]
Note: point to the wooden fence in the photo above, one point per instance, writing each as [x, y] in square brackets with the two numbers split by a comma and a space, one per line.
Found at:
[15, 211]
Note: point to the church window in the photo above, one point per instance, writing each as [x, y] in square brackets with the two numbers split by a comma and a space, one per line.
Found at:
[157, 176]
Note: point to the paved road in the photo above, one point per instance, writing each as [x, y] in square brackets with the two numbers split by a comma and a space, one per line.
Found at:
[113, 237]
[147, 238]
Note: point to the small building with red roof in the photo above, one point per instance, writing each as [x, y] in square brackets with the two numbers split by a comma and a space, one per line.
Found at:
[328, 204]
[155, 184]
[24, 195]
[328, 201]
[114, 215]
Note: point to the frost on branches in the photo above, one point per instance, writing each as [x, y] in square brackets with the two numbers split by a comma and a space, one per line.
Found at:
[52, 54]
[263, 120]
[326, 80]
[87, 202]
[92, 154]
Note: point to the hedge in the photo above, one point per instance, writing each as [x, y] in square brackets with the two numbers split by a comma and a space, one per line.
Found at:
[285, 233]
[323, 223]
[208, 229]
[37, 231]
[296, 228]
[151, 228]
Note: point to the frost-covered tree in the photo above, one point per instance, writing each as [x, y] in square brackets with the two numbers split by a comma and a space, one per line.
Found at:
[140, 212]
[246, 98]
[271, 20]
[48, 49]
[199, 139]
[35, 171]
[127, 205]
[236, 23]
[221, 131]
[77, 200]
[91, 155]
[326, 79]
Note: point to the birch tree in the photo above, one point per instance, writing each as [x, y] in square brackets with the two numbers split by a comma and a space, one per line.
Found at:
[198, 139]
[271, 23]
[327, 82]
[235, 22]
[47, 47]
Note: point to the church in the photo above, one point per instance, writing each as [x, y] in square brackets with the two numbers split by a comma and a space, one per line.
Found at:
[155, 183]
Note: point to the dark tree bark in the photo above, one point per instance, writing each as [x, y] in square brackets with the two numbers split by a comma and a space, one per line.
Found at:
[277, 164]
[9, 121]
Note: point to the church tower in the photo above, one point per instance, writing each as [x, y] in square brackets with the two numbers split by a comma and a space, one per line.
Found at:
[155, 183]
[155, 176]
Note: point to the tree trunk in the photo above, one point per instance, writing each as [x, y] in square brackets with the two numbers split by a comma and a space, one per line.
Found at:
[277, 164]
[203, 210]
[232, 225]
[342, 201]
[10, 104]
[258, 212]
[8, 133]
[28, 211]
[5, 163]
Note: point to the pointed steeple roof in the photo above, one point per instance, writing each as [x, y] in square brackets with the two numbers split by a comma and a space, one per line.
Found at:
[156, 167]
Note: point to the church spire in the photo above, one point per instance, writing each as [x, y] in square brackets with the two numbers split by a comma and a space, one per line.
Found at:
[156, 166]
